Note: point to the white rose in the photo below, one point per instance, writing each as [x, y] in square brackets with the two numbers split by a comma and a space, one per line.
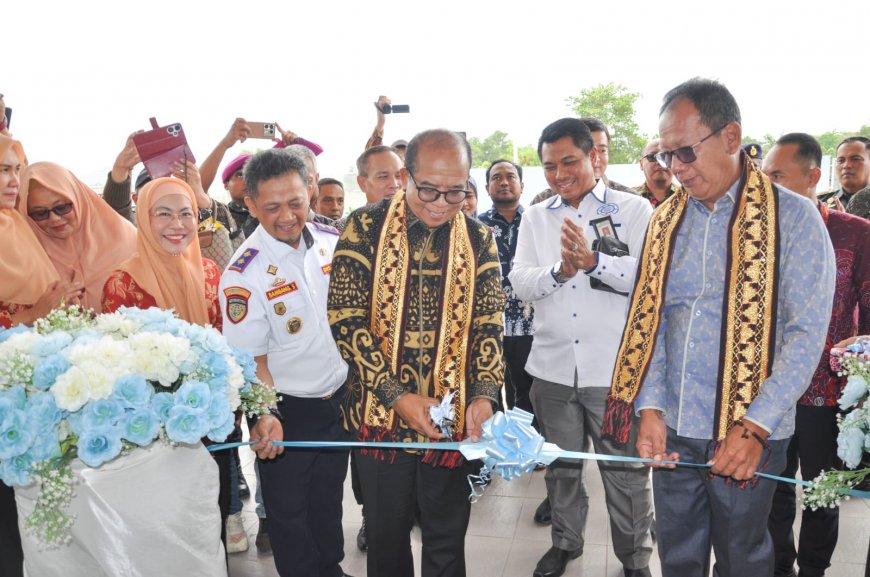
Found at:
[71, 390]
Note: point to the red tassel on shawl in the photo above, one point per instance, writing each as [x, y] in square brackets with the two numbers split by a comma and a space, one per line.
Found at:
[617, 420]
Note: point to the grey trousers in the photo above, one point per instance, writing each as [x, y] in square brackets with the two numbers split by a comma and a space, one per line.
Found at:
[568, 416]
[694, 511]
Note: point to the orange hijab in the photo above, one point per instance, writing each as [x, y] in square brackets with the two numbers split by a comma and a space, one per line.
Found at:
[25, 271]
[174, 281]
[101, 238]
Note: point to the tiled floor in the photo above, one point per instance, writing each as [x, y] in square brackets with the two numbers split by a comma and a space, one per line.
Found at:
[503, 540]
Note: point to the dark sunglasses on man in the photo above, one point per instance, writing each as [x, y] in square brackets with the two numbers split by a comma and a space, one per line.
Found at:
[685, 154]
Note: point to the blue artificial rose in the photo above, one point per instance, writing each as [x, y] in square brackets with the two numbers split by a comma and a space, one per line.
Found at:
[15, 472]
[248, 364]
[141, 426]
[42, 412]
[216, 364]
[161, 403]
[99, 444]
[16, 437]
[186, 424]
[133, 391]
[193, 394]
[45, 445]
[17, 395]
[87, 337]
[854, 391]
[51, 344]
[74, 420]
[220, 433]
[218, 410]
[850, 446]
[206, 339]
[48, 369]
[102, 412]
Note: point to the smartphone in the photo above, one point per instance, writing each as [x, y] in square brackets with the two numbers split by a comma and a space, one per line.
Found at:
[262, 130]
[8, 117]
[161, 147]
[396, 108]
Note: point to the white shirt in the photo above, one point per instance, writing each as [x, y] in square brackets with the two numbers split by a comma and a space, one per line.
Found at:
[577, 326]
[273, 297]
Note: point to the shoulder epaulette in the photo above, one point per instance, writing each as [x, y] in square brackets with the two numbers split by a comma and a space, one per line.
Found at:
[241, 263]
[326, 228]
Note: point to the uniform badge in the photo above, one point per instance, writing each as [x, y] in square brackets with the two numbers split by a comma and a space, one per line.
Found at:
[279, 281]
[281, 291]
[294, 325]
[322, 252]
[604, 227]
[241, 263]
[237, 303]
[327, 268]
[280, 308]
[272, 269]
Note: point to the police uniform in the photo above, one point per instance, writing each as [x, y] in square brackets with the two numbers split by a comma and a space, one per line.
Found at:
[274, 301]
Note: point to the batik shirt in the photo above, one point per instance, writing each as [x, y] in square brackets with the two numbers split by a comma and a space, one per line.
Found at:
[350, 309]
[518, 315]
[850, 236]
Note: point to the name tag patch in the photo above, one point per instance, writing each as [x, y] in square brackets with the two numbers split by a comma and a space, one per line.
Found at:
[327, 268]
[281, 291]
[237, 303]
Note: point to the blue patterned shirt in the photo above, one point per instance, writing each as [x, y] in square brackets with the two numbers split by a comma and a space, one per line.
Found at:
[683, 376]
[518, 315]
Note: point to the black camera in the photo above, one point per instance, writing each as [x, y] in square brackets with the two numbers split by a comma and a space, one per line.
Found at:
[396, 108]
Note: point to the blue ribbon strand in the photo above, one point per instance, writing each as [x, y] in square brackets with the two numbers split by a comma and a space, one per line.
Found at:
[510, 447]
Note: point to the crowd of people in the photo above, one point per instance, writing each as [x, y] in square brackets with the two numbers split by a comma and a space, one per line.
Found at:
[689, 318]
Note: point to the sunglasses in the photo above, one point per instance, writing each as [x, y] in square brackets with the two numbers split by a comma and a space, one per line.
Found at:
[685, 154]
[44, 213]
[651, 157]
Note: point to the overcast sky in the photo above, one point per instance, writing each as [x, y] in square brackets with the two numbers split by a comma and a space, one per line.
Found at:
[80, 76]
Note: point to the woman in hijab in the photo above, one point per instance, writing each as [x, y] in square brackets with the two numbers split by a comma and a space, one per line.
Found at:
[168, 270]
[83, 236]
[29, 289]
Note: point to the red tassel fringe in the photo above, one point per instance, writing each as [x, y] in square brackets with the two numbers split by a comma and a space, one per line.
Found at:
[617, 420]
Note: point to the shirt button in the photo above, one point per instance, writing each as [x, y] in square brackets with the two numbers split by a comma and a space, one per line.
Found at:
[575, 314]
[697, 313]
[714, 221]
[576, 342]
[708, 285]
[573, 286]
[691, 344]
[709, 253]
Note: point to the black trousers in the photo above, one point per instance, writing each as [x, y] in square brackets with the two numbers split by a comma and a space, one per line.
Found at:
[391, 492]
[11, 557]
[518, 382]
[303, 490]
[813, 447]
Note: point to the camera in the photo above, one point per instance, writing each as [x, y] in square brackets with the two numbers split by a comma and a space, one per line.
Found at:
[396, 108]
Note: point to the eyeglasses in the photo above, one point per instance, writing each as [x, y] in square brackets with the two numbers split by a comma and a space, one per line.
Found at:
[430, 194]
[44, 213]
[651, 157]
[685, 154]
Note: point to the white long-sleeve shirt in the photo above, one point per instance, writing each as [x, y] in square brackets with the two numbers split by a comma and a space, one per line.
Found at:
[577, 326]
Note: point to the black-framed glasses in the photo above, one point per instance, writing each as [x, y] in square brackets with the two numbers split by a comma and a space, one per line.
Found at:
[43, 213]
[651, 157]
[685, 154]
[431, 194]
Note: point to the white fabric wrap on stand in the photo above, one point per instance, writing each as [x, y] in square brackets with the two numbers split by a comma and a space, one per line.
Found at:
[152, 512]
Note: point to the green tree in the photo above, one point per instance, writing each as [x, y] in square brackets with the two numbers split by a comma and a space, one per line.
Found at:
[528, 156]
[613, 104]
[496, 145]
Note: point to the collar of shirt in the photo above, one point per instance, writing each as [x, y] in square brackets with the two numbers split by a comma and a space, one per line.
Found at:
[493, 214]
[598, 192]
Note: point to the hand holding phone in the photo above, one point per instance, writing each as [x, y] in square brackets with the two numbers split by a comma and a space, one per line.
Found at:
[262, 130]
[161, 147]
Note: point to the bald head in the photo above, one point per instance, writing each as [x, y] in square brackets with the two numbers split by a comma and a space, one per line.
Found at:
[436, 140]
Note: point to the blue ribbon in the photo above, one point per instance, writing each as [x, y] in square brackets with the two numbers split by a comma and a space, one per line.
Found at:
[510, 446]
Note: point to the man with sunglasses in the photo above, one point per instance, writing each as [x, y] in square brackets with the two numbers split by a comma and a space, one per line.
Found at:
[726, 325]
[658, 180]
[416, 307]
[578, 288]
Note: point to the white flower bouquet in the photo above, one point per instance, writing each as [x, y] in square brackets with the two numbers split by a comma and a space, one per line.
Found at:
[78, 386]
[831, 487]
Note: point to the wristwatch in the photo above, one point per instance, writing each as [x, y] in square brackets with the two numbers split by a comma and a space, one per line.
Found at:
[558, 275]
